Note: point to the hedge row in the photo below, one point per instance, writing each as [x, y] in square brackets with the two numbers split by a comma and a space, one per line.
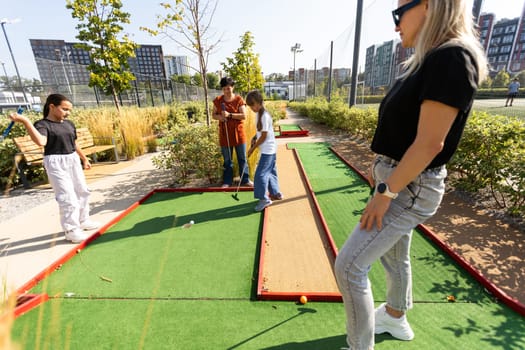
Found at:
[490, 157]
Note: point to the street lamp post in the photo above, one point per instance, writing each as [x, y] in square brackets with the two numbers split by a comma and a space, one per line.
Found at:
[295, 49]
[7, 82]
[3, 21]
[61, 57]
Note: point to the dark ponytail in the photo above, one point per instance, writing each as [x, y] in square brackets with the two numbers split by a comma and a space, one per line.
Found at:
[55, 100]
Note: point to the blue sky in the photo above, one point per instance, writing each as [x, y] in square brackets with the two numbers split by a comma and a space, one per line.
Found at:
[276, 25]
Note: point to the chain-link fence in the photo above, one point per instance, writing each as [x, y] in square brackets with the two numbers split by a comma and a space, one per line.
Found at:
[72, 80]
[149, 93]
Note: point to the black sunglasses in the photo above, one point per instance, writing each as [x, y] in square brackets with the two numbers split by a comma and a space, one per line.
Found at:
[400, 11]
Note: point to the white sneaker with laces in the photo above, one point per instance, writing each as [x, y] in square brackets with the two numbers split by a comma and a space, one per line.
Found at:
[89, 225]
[75, 235]
[397, 327]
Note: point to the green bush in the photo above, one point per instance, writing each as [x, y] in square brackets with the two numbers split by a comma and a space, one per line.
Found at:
[490, 157]
[8, 175]
[336, 114]
[193, 149]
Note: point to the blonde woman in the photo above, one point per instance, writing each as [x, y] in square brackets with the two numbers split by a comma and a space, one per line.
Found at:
[420, 123]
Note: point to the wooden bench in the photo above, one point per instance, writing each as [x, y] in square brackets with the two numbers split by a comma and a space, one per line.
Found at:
[32, 154]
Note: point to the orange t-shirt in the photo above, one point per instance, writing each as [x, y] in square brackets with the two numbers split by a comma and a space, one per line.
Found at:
[236, 135]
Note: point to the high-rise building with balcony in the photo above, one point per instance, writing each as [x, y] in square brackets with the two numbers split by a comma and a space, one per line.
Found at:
[61, 63]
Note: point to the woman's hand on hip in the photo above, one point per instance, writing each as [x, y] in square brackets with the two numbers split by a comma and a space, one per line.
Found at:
[374, 212]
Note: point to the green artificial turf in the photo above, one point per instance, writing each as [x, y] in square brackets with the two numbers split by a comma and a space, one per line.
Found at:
[239, 324]
[290, 127]
[342, 195]
[175, 288]
[149, 252]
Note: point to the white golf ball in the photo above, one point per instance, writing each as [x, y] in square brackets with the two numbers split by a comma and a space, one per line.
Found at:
[192, 222]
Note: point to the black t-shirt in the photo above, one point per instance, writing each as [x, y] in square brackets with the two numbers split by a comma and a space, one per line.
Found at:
[60, 136]
[448, 75]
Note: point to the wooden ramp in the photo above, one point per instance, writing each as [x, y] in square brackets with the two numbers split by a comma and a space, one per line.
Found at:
[296, 255]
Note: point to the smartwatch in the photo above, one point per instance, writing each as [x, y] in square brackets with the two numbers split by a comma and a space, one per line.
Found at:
[383, 189]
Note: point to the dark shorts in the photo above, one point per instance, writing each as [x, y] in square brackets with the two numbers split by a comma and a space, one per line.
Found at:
[513, 94]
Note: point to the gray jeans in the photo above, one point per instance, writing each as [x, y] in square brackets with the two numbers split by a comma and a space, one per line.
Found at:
[414, 204]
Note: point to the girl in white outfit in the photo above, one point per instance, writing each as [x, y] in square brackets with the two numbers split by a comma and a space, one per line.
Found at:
[63, 161]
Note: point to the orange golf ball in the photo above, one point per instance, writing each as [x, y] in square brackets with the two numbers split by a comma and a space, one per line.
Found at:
[303, 299]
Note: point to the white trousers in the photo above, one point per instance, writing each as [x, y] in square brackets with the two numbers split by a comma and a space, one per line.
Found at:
[69, 184]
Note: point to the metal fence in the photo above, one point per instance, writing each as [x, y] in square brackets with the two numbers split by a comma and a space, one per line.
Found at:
[146, 93]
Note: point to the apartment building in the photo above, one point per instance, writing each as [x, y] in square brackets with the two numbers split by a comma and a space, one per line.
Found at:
[176, 65]
[61, 63]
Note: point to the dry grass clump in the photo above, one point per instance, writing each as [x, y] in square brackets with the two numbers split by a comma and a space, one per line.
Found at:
[134, 126]
[6, 323]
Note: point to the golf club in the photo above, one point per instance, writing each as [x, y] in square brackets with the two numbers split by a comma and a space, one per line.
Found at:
[223, 107]
[10, 126]
[234, 196]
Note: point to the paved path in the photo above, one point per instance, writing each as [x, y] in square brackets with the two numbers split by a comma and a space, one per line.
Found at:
[33, 240]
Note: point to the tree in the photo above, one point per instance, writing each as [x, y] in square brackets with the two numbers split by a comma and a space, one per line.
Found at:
[502, 79]
[11, 83]
[276, 77]
[184, 79]
[487, 83]
[196, 79]
[98, 30]
[187, 23]
[244, 67]
[213, 81]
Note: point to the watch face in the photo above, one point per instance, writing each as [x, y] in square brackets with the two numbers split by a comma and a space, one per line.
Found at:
[381, 188]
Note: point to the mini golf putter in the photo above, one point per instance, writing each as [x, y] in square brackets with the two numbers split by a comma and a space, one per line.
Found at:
[7, 130]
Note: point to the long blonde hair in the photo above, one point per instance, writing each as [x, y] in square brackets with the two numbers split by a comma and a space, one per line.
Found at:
[448, 23]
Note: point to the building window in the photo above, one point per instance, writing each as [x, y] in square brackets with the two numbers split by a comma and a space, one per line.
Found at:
[507, 39]
[510, 29]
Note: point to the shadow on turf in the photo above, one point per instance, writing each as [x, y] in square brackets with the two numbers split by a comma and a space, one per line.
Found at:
[335, 342]
[159, 224]
[302, 311]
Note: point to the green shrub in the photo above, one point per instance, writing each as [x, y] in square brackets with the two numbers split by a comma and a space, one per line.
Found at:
[193, 149]
[490, 157]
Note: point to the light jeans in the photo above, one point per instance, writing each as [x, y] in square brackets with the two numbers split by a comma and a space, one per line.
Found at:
[240, 150]
[414, 204]
[265, 179]
[69, 184]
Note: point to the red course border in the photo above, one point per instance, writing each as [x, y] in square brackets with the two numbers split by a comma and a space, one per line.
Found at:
[513, 303]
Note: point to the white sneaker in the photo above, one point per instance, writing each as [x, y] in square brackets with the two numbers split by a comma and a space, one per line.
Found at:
[89, 225]
[76, 235]
[263, 203]
[397, 327]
